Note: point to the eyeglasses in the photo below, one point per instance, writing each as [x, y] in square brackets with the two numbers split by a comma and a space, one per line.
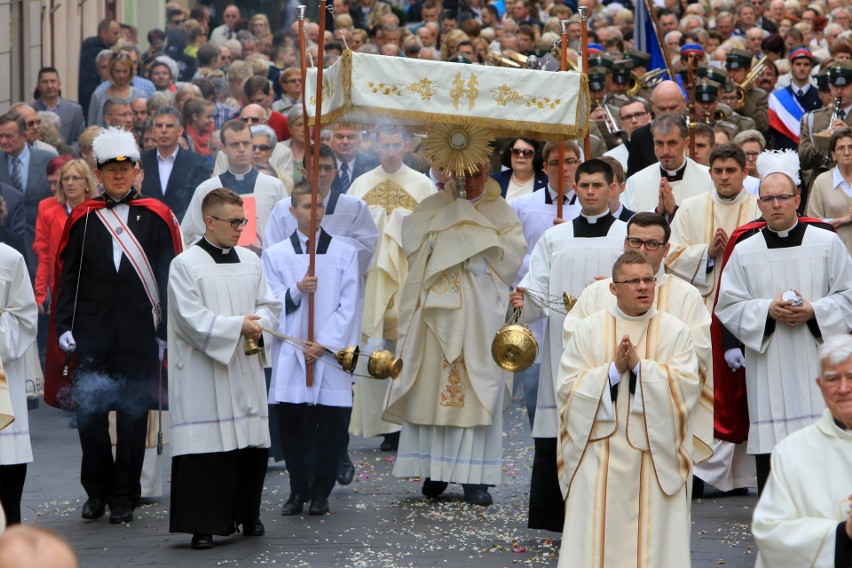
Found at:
[752, 155]
[66, 179]
[650, 246]
[251, 119]
[120, 55]
[769, 199]
[178, 22]
[33, 122]
[648, 281]
[569, 162]
[526, 152]
[293, 81]
[235, 223]
[261, 148]
[635, 115]
[843, 149]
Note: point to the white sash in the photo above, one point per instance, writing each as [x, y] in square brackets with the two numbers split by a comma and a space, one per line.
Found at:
[136, 255]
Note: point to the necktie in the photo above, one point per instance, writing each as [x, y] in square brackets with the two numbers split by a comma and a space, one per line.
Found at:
[801, 93]
[345, 182]
[17, 174]
[842, 114]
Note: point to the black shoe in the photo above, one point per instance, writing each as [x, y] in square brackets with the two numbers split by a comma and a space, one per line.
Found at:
[319, 506]
[120, 514]
[433, 488]
[390, 443]
[293, 506]
[201, 541]
[254, 529]
[477, 495]
[94, 509]
[697, 487]
[738, 492]
[345, 471]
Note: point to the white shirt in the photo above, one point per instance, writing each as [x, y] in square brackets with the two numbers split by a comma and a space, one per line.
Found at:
[165, 164]
[837, 180]
[123, 212]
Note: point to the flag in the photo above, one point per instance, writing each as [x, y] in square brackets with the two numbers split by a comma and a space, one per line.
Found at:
[645, 36]
[785, 113]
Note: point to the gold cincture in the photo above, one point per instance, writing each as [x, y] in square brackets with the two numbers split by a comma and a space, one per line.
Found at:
[514, 347]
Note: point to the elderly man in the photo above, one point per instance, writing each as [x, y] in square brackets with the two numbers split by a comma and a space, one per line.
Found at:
[804, 517]
[449, 398]
[664, 185]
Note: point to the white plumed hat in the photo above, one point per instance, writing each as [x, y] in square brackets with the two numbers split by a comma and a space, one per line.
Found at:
[779, 162]
[115, 145]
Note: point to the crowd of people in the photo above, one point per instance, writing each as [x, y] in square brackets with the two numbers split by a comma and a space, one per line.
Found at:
[158, 227]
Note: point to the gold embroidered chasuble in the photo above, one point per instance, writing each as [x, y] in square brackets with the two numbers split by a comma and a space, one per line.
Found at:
[624, 464]
[453, 301]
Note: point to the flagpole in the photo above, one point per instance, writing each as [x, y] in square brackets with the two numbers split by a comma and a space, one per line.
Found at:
[560, 186]
[584, 54]
[649, 4]
[300, 16]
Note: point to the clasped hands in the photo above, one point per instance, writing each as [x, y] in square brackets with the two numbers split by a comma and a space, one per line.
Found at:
[625, 356]
[783, 311]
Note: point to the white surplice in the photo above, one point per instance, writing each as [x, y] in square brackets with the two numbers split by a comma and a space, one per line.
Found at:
[18, 321]
[217, 392]
[336, 320]
[643, 187]
[624, 464]
[806, 497]
[562, 262]
[780, 368]
[681, 300]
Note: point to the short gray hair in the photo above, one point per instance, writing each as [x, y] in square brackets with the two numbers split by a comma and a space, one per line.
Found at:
[103, 54]
[835, 350]
[668, 122]
[750, 136]
[264, 130]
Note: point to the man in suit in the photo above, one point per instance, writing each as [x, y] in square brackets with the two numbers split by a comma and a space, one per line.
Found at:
[172, 174]
[25, 169]
[89, 79]
[350, 164]
[49, 97]
[14, 225]
[110, 312]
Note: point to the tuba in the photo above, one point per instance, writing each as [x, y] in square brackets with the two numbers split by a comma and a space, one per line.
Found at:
[743, 88]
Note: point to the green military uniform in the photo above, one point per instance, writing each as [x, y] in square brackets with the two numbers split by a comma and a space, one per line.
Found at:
[597, 79]
[641, 60]
[756, 99]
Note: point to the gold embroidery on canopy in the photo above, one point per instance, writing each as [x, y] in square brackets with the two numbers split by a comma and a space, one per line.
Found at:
[453, 379]
[459, 91]
[389, 195]
[505, 94]
[423, 87]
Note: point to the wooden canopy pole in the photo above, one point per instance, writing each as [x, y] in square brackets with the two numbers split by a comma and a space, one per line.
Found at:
[300, 16]
[584, 54]
[560, 186]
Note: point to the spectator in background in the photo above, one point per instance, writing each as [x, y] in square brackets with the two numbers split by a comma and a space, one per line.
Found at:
[88, 77]
[48, 96]
[121, 73]
[291, 87]
[228, 30]
[198, 118]
[117, 113]
[258, 90]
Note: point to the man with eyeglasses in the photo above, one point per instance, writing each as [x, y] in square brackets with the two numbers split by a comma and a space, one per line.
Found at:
[260, 191]
[784, 287]
[804, 518]
[700, 233]
[33, 128]
[628, 385]
[118, 113]
[633, 114]
[218, 299]
[172, 172]
[566, 259]
[281, 158]
[662, 186]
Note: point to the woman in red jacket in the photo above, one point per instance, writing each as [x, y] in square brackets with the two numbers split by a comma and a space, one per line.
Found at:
[76, 184]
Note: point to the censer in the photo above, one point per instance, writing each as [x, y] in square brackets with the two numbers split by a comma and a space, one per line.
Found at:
[382, 365]
[514, 347]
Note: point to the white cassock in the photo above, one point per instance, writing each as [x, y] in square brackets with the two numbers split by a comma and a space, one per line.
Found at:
[384, 191]
[693, 228]
[336, 318]
[449, 397]
[267, 192]
[346, 218]
[681, 300]
[643, 187]
[805, 498]
[780, 367]
[217, 393]
[18, 321]
[566, 259]
[624, 464]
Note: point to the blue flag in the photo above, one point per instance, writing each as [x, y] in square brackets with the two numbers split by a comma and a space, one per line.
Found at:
[645, 36]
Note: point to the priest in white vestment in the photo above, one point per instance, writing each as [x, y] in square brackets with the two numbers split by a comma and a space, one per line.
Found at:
[783, 289]
[316, 413]
[388, 187]
[218, 299]
[263, 190]
[700, 233]
[449, 397]
[628, 385]
[804, 517]
[662, 186]
[565, 260]
[18, 321]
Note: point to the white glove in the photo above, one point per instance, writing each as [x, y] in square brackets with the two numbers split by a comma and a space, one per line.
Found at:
[161, 347]
[735, 358]
[67, 343]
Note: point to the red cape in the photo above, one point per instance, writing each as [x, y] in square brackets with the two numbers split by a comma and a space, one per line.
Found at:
[57, 388]
[730, 407]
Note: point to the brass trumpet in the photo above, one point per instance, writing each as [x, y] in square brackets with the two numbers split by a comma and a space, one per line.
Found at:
[647, 81]
[742, 89]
